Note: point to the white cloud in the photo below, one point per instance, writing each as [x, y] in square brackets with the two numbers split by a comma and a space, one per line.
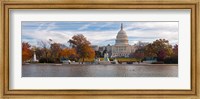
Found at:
[140, 31]
[167, 26]
[84, 27]
[105, 25]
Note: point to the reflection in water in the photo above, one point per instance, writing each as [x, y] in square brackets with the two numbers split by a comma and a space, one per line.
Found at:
[119, 70]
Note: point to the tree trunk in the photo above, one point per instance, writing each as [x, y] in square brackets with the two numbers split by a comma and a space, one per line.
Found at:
[46, 57]
[82, 60]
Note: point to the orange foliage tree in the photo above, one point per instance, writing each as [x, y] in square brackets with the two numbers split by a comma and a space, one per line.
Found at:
[88, 53]
[82, 47]
[26, 51]
[68, 53]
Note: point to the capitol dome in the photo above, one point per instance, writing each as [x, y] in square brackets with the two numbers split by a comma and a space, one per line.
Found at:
[122, 38]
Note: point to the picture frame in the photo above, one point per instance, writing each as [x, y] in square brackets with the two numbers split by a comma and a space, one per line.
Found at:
[110, 4]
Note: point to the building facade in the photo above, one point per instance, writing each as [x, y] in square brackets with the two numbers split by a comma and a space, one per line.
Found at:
[121, 48]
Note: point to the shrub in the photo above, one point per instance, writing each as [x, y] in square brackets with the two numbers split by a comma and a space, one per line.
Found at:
[171, 60]
[129, 62]
[111, 59]
[159, 62]
[42, 60]
[49, 60]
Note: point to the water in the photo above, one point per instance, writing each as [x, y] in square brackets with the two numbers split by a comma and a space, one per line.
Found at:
[87, 70]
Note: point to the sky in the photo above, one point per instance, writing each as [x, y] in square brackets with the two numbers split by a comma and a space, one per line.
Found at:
[98, 33]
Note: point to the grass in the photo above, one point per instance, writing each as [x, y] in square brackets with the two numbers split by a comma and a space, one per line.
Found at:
[87, 60]
[127, 59]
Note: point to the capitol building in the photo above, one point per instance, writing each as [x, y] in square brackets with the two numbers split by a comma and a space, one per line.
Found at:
[121, 48]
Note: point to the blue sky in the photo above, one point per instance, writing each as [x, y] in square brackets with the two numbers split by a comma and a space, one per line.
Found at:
[98, 33]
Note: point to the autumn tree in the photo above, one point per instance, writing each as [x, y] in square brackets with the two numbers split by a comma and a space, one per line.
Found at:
[160, 49]
[38, 52]
[69, 53]
[174, 58]
[138, 54]
[89, 52]
[82, 47]
[45, 50]
[150, 51]
[66, 52]
[140, 51]
[26, 51]
[175, 50]
[55, 52]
